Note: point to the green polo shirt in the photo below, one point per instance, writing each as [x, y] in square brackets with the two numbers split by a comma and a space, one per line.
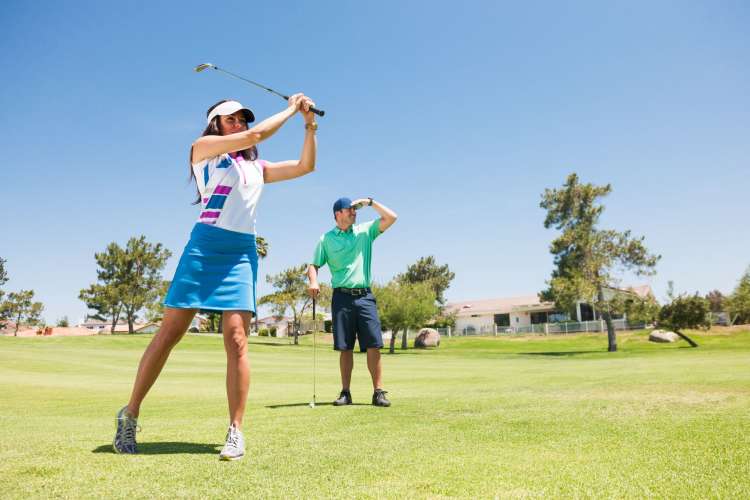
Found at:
[348, 254]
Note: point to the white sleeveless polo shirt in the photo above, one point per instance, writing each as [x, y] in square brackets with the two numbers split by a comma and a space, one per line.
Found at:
[230, 189]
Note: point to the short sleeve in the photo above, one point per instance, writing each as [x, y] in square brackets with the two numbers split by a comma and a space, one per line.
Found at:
[374, 229]
[319, 255]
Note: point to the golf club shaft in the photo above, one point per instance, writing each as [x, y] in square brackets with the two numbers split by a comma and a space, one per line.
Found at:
[318, 112]
[315, 329]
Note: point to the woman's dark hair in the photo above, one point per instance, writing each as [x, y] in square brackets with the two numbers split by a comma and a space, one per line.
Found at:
[249, 154]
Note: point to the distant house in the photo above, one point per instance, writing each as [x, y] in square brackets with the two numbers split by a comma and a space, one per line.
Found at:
[95, 324]
[280, 322]
[482, 315]
[523, 311]
[137, 328]
[10, 326]
[121, 327]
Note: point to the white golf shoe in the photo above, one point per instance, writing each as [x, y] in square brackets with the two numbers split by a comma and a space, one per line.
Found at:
[234, 448]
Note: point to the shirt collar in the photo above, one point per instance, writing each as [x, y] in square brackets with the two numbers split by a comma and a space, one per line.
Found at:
[339, 231]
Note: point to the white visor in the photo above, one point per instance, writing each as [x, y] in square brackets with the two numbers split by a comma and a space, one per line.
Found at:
[228, 108]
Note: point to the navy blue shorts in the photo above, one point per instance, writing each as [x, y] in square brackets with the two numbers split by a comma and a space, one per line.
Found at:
[355, 317]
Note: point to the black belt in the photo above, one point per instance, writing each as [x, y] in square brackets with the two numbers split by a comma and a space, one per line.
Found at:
[357, 292]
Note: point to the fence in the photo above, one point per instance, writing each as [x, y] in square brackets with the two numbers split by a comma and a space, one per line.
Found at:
[721, 319]
[596, 326]
[543, 328]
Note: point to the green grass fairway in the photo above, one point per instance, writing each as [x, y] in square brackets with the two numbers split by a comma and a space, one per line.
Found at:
[478, 417]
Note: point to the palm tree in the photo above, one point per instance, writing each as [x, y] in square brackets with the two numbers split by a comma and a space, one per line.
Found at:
[262, 246]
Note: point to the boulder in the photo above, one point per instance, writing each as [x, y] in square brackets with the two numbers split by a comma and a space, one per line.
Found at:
[427, 337]
[663, 336]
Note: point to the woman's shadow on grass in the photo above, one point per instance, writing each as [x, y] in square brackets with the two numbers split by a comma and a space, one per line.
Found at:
[561, 353]
[167, 448]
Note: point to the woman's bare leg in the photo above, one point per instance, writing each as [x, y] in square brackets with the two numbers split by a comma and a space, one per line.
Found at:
[173, 327]
[235, 325]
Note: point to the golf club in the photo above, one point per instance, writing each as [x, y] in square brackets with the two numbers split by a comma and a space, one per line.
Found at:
[203, 66]
[315, 328]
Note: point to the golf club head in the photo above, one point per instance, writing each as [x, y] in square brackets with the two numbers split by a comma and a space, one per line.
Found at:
[203, 66]
[312, 404]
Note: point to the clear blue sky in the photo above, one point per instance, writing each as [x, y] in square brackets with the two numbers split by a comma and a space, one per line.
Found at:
[456, 117]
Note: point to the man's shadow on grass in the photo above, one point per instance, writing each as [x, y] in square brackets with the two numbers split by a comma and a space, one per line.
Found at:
[560, 353]
[292, 405]
[270, 344]
[167, 448]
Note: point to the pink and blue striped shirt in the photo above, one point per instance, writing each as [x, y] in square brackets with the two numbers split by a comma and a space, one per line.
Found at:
[230, 188]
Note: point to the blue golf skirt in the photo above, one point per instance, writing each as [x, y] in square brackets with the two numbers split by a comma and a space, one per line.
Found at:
[217, 271]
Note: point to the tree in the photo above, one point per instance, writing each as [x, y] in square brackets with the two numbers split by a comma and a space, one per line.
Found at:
[586, 257]
[644, 310]
[141, 275]
[155, 309]
[324, 298]
[105, 300]
[3, 275]
[35, 315]
[63, 322]
[738, 304]
[3, 280]
[715, 301]
[129, 279]
[261, 246]
[213, 322]
[427, 270]
[685, 312]
[291, 293]
[444, 320]
[404, 305]
[104, 297]
[21, 308]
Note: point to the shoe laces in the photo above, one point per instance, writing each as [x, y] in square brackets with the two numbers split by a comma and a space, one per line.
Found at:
[233, 436]
[129, 429]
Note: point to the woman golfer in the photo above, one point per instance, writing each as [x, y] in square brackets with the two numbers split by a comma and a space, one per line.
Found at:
[218, 268]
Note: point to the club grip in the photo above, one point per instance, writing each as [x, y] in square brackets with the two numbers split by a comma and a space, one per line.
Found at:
[317, 111]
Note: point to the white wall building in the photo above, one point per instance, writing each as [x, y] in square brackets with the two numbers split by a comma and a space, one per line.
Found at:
[518, 312]
[483, 315]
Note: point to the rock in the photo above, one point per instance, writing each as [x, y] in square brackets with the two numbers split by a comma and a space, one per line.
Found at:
[427, 337]
[663, 336]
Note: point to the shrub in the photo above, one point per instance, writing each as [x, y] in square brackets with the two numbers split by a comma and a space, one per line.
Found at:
[685, 312]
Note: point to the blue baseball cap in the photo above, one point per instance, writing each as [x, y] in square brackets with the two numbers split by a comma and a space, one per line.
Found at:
[341, 204]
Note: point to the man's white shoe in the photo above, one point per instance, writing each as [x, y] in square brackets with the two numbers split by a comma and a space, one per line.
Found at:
[234, 448]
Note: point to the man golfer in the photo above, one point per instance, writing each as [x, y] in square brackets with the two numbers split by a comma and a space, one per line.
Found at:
[347, 249]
